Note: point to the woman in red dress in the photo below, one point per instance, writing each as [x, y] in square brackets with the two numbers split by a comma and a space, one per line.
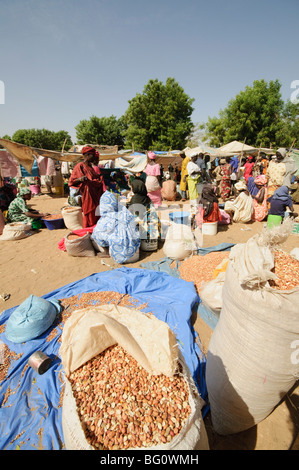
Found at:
[90, 184]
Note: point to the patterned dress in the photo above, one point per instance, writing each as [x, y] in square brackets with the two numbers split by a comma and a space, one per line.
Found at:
[225, 185]
[260, 209]
[17, 211]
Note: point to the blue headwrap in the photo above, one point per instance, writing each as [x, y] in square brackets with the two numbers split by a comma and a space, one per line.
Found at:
[282, 193]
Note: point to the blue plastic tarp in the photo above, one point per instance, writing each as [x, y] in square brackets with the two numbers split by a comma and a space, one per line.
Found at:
[30, 404]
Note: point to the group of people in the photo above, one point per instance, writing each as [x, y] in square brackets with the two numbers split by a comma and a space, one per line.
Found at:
[249, 191]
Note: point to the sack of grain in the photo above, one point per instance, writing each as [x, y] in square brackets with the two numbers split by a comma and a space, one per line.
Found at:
[122, 367]
[77, 245]
[180, 242]
[250, 361]
[16, 231]
[73, 217]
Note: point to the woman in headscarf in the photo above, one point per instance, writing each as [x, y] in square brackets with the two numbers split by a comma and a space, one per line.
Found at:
[90, 184]
[225, 184]
[242, 206]
[260, 206]
[184, 172]
[116, 229]
[209, 201]
[279, 202]
[18, 211]
[140, 192]
[152, 182]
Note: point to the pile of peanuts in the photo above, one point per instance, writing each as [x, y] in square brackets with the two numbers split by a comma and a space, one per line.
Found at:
[287, 270]
[121, 405]
[198, 269]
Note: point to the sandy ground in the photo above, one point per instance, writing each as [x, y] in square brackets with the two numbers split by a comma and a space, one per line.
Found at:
[36, 266]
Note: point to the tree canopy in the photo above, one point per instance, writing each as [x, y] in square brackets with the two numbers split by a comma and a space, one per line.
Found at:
[257, 114]
[100, 131]
[159, 118]
[42, 138]
[254, 114]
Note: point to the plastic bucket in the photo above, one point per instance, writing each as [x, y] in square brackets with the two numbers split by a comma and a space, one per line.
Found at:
[54, 224]
[180, 217]
[35, 188]
[58, 190]
[273, 220]
[209, 228]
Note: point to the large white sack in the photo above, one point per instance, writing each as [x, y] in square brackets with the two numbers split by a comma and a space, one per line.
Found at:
[73, 217]
[150, 341]
[251, 361]
[180, 242]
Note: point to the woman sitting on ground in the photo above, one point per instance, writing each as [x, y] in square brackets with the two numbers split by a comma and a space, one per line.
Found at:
[260, 205]
[18, 211]
[209, 201]
[242, 206]
[279, 202]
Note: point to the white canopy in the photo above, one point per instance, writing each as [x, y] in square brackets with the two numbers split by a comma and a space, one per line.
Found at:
[237, 147]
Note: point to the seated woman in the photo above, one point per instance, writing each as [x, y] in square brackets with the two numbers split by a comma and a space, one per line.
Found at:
[260, 205]
[140, 193]
[209, 201]
[279, 202]
[116, 229]
[18, 211]
[242, 206]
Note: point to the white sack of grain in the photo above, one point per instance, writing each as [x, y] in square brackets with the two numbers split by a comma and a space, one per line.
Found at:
[251, 361]
[88, 332]
[73, 217]
[16, 231]
[180, 242]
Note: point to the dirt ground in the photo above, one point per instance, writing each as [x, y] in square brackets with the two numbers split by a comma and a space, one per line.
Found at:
[36, 266]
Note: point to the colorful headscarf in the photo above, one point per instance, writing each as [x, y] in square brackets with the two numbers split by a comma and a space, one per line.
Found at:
[23, 191]
[260, 179]
[151, 155]
[88, 149]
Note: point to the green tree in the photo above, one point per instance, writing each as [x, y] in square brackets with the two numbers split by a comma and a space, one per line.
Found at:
[159, 118]
[289, 132]
[254, 114]
[100, 131]
[43, 138]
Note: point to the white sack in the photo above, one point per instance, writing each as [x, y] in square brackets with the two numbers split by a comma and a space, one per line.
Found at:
[250, 362]
[73, 217]
[180, 242]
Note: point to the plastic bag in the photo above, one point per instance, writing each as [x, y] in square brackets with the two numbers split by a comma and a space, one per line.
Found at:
[31, 319]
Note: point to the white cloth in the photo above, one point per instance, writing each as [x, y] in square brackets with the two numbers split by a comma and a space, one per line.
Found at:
[193, 170]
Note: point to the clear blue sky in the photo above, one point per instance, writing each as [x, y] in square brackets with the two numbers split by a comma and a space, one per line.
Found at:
[62, 61]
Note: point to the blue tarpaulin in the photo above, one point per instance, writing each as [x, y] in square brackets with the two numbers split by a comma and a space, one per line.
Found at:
[30, 404]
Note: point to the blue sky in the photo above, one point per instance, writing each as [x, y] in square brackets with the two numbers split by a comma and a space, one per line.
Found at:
[62, 61]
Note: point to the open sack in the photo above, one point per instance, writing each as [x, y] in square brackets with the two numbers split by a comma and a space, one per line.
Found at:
[149, 341]
[251, 362]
